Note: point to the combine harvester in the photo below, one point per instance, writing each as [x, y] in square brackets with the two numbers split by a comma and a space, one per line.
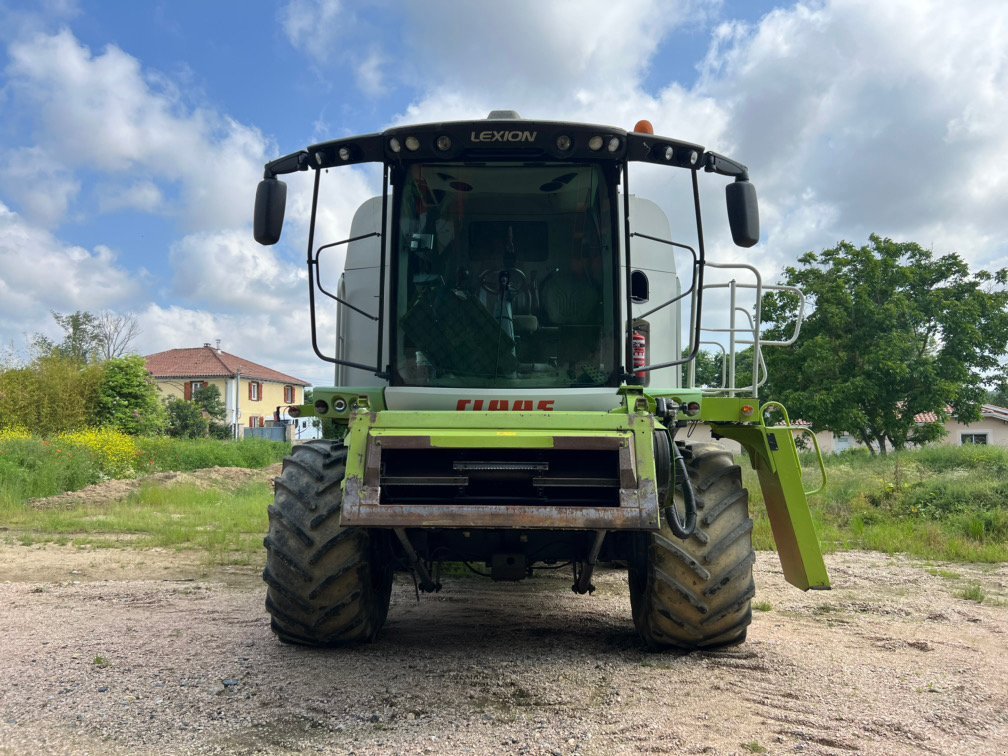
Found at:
[515, 385]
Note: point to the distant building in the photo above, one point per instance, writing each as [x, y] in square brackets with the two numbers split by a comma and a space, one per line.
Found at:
[251, 391]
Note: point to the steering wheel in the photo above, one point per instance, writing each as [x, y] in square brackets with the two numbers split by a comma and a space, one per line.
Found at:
[490, 280]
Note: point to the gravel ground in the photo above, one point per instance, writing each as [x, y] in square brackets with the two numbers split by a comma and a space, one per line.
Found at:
[118, 651]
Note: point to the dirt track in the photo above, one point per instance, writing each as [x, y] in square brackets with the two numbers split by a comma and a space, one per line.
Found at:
[115, 651]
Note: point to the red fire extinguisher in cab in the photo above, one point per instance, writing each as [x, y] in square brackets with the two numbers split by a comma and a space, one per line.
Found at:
[640, 350]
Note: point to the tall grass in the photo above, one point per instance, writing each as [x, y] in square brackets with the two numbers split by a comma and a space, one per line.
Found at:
[32, 468]
[939, 503]
[175, 454]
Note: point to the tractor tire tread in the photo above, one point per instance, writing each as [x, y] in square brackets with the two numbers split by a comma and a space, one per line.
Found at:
[696, 593]
[325, 584]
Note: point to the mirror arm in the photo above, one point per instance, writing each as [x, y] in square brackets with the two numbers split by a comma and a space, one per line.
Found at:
[715, 163]
[296, 161]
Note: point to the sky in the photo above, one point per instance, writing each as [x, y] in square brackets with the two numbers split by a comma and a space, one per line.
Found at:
[132, 135]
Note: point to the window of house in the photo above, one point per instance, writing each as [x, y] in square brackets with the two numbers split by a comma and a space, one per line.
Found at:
[973, 438]
[256, 421]
[288, 395]
[255, 391]
[191, 387]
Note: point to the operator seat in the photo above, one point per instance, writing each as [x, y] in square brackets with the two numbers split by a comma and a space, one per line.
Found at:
[571, 304]
[569, 300]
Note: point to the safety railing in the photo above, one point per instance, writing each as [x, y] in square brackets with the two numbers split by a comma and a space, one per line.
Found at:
[743, 332]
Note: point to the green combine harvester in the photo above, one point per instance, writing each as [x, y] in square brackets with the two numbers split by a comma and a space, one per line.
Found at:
[514, 354]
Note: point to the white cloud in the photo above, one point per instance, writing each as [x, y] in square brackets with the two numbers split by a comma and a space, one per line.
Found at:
[145, 196]
[853, 116]
[102, 112]
[314, 26]
[370, 74]
[44, 188]
[892, 116]
[39, 274]
[529, 52]
[227, 271]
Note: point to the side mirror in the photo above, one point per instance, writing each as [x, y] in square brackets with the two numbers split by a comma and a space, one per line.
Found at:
[743, 212]
[270, 202]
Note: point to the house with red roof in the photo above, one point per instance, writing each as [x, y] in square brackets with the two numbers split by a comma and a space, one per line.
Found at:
[251, 391]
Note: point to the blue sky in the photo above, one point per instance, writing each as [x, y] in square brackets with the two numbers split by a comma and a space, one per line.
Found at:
[132, 134]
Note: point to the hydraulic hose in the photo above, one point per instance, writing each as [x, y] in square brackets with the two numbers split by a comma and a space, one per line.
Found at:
[677, 526]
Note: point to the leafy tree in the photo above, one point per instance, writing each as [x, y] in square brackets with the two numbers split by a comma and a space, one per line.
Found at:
[894, 332]
[185, 419]
[128, 398]
[998, 395]
[79, 337]
[708, 368]
[221, 431]
[711, 371]
[208, 399]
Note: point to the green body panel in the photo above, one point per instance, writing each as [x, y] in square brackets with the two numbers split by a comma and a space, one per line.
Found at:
[723, 409]
[774, 456]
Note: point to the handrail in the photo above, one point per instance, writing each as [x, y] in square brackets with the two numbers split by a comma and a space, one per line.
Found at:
[791, 429]
[748, 334]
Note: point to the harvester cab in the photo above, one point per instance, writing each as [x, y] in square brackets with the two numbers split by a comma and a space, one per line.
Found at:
[515, 345]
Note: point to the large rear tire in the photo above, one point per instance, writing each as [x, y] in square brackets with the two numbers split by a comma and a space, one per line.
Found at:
[327, 585]
[696, 593]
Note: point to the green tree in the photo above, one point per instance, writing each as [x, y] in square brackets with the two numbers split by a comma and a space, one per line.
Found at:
[128, 398]
[894, 332]
[998, 396]
[711, 371]
[208, 399]
[185, 419]
[80, 333]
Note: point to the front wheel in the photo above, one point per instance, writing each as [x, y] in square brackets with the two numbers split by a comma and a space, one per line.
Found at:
[696, 593]
[327, 585]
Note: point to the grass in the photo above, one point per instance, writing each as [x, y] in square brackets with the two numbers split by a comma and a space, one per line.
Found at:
[226, 527]
[943, 573]
[972, 592]
[32, 468]
[943, 503]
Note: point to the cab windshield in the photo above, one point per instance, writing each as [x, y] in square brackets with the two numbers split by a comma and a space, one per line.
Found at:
[504, 276]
